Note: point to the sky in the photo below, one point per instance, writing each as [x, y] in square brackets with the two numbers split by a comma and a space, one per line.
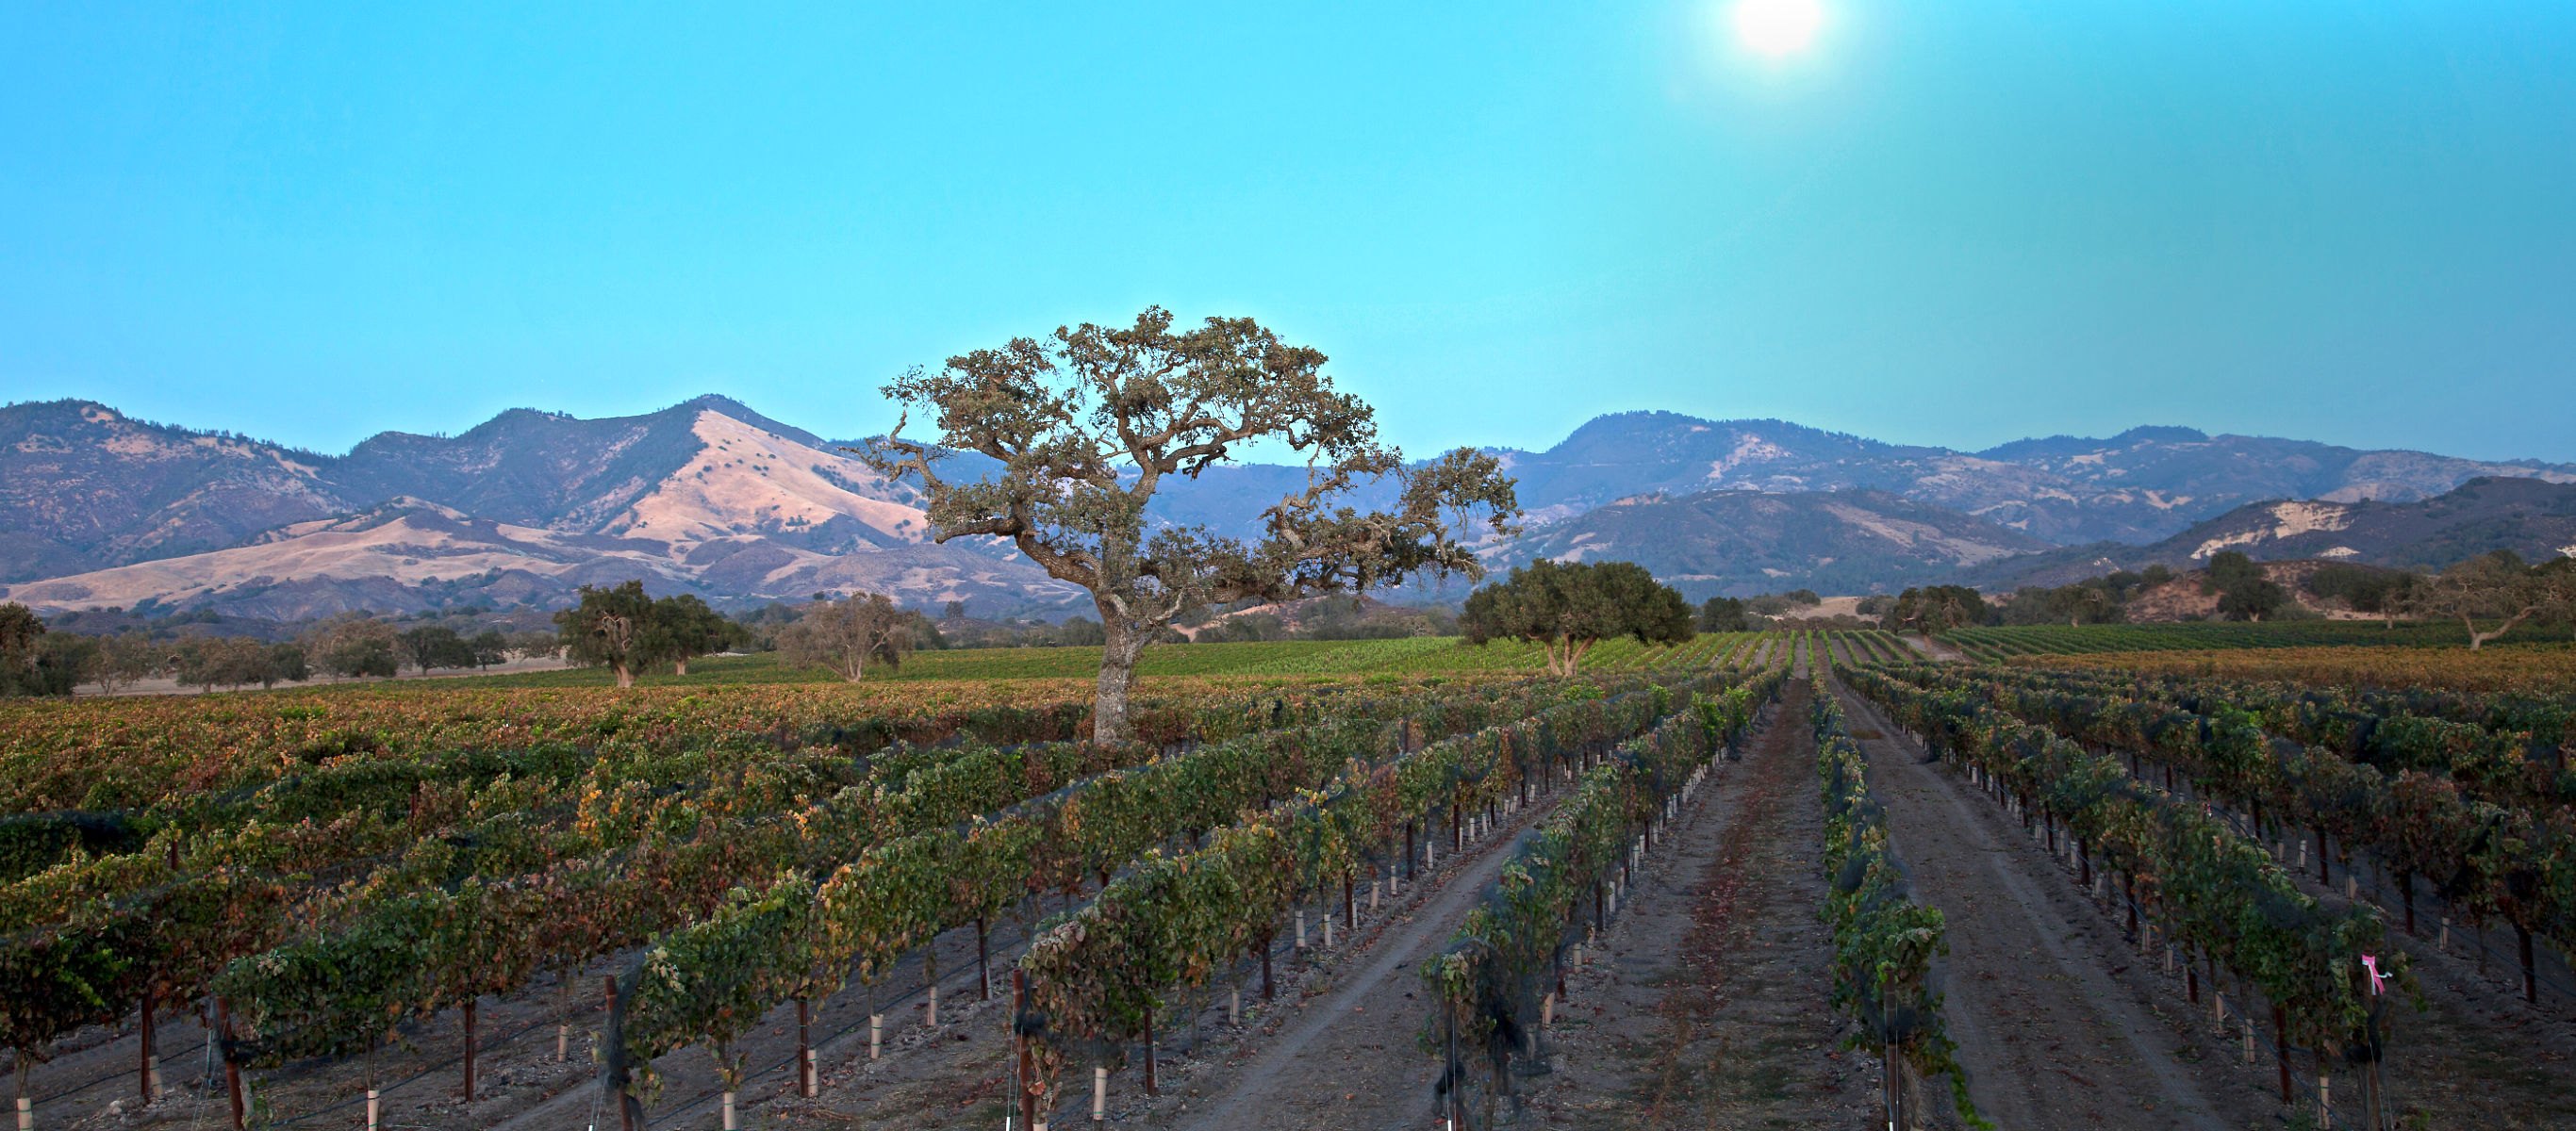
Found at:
[1939, 223]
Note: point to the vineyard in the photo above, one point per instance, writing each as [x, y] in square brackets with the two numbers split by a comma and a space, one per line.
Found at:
[746, 902]
[2529, 670]
[1997, 643]
[321, 874]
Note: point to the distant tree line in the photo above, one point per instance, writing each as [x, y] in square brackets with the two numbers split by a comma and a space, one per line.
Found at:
[2490, 595]
[36, 661]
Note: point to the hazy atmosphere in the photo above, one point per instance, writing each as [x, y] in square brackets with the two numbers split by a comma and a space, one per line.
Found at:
[1950, 224]
[1685, 566]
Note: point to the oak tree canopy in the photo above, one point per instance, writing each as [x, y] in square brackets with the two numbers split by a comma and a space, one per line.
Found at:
[1569, 607]
[1090, 423]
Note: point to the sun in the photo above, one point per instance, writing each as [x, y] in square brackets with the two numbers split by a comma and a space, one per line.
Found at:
[1778, 27]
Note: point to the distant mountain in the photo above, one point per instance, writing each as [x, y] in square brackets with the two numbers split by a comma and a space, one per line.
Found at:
[82, 486]
[1739, 543]
[2531, 517]
[705, 496]
[2139, 486]
[712, 497]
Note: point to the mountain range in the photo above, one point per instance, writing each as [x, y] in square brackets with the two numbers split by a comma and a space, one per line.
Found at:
[709, 496]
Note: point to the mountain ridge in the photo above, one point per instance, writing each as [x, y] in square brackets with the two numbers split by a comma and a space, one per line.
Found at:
[709, 495]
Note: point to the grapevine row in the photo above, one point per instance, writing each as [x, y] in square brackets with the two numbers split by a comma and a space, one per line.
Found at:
[1884, 941]
[2493, 861]
[2209, 888]
[1488, 990]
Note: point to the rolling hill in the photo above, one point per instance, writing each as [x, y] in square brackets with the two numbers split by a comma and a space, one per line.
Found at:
[710, 496]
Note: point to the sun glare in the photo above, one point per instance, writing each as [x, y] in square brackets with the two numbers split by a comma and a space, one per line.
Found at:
[1778, 27]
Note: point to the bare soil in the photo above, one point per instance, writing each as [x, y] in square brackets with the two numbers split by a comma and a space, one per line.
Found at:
[1711, 1008]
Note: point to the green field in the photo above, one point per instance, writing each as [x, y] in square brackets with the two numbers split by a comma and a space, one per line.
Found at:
[1418, 655]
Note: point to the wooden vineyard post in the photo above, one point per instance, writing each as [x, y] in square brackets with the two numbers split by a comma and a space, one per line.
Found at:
[1151, 1087]
[805, 1083]
[608, 989]
[469, 1051]
[1408, 847]
[1020, 1047]
[983, 964]
[232, 1071]
[143, 1071]
[2281, 1046]
[1266, 993]
[2530, 977]
[2322, 876]
[1350, 904]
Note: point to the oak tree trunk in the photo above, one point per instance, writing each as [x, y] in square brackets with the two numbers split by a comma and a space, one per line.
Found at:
[1118, 654]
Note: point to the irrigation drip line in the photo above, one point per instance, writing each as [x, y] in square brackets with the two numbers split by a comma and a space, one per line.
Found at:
[111, 1074]
[497, 1042]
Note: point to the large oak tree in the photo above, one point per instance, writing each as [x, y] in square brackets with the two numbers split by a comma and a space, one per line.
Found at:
[1089, 423]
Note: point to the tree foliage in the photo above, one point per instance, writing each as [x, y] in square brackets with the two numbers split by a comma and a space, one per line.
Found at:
[683, 628]
[610, 628]
[2244, 592]
[1091, 422]
[1936, 609]
[1723, 614]
[845, 635]
[1567, 607]
[354, 645]
[2495, 587]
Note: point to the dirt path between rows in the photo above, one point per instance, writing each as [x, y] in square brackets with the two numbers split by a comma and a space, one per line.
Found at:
[1713, 1007]
[1347, 1056]
[2059, 1022]
[1335, 1049]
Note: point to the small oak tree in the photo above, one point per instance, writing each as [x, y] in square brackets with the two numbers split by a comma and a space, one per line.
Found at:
[844, 635]
[1723, 614]
[1090, 423]
[1569, 607]
[1935, 609]
[354, 644]
[610, 628]
[2244, 591]
[684, 627]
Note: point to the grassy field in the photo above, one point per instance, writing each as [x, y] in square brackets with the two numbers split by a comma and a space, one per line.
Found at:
[1412, 656]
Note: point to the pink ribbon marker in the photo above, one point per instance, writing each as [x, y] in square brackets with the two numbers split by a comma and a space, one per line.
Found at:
[2371, 963]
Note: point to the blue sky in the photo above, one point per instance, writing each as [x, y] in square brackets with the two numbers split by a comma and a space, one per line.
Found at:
[1941, 223]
